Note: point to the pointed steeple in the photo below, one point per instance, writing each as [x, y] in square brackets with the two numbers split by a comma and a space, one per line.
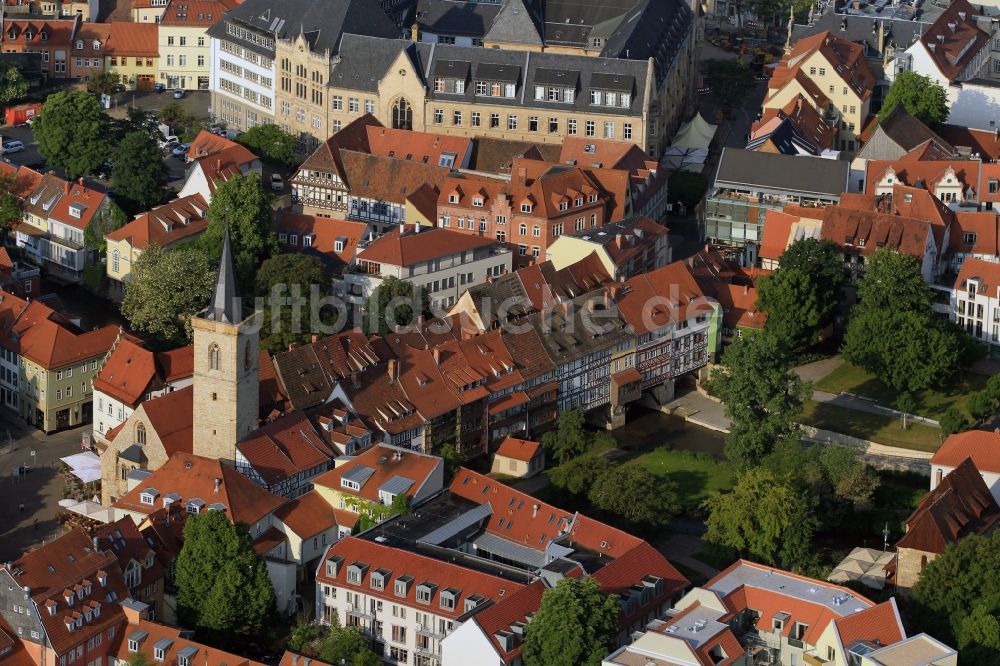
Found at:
[225, 305]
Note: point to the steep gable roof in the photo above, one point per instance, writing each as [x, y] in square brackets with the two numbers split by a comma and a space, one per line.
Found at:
[981, 446]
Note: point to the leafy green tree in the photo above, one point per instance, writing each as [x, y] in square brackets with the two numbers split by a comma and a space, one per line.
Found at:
[575, 625]
[241, 205]
[175, 116]
[139, 659]
[993, 387]
[732, 80]
[822, 262]
[793, 306]
[954, 584]
[908, 351]
[138, 120]
[103, 82]
[13, 87]
[762, 398]
[953, 421]
[687, 187]
[139, 172]
[763, 518]
[636, 495]
[72, 132]
[164, 290]
[578, 474]
[217, 565]
[571, 438]
[394, 303]
[851, 479]
[346, 645]
[892, 281]
[102, 224]
[981, 405]
[452, 459]
[270, 142]
[303, 635]
[979, 636]
[294, 277]
[11, 208]
[922, 98]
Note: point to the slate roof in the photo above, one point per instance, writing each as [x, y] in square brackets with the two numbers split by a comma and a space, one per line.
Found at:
[323, 22]
[906, 131]
[456, 17]
[863, 30]
[809, 175]
[516, 24]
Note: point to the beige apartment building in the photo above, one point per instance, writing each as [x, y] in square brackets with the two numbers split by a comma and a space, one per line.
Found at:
[833, 74]
[467, 91]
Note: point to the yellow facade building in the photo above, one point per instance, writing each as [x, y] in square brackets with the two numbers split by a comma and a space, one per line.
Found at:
[185, 48]
[132, 54]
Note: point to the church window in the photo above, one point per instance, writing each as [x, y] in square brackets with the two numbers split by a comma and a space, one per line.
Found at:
[213, 357]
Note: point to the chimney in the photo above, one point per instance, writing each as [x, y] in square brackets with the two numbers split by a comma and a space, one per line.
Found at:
[618, 241]
[746, 289]
[393, 370]
[437, 356]
[81, 181]
[607, 299]
[218, 165]
[414, 33]
[218, 484]
[314, 339]
[931, 46]
[534, 510]
[67, 186]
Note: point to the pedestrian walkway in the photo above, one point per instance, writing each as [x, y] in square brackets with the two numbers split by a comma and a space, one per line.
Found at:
[813, 372]
[700, 410]
[861, 404]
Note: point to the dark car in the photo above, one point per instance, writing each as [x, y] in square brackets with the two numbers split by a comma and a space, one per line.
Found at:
[160, 87]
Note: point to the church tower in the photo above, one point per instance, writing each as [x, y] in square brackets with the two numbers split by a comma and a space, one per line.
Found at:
[226, 372]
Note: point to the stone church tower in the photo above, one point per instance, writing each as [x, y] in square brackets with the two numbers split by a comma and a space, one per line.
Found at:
[226, 381]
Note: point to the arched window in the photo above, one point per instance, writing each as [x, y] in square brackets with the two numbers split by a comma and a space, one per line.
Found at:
[124, 472]
[402, 115]
[140, 433]
[213, 357]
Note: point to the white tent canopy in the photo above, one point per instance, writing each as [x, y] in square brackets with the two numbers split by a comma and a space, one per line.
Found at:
[90, 509]
[696, 133]
[85, 466]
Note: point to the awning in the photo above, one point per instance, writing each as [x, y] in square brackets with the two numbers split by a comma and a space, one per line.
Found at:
[84, 466]
[509, 402]
[91, 510]
[697, 133]
[629, 376]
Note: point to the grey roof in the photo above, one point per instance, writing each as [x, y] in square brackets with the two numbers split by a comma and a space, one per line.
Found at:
[163, 644]
[138, 636]
[456, 17]
[196, 501]
[506, 73]
[572, 334]
[515, 24]
[455, 69]
[559, 77]
[364, 61]
[904, 131]
[134, 453]
[457, 525]
[653, 29]
[359, 474]
[863, 30]
[510, 550]
[396, 485]
[811, 175]
[322, 22]
[225, 305]
[187, 652]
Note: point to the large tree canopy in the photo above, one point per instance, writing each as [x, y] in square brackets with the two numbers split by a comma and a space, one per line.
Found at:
[575, 625]
[892, 281]
[12, 85]
[164, 290]
[139, 172]
[73, 132]
[922, 98]
[636, 495]
[292, 278]
[570, 438]
[217, 566]
[764, 518]
[394, 303]
[762, 398]
[242, 206]
[270, 142]
[11, 208]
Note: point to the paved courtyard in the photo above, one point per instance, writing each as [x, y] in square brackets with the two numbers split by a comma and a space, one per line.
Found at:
[39, 490]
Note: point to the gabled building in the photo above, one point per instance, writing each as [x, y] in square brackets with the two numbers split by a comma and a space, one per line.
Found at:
[215, 159]
[519, 458]
[953, 49]
[796, 129]
[951, 181]
[334, 242]
[975, 300]
[626, 248]
[833, 76]
[784, 227]
[183, 42]
[65, 597]
[981, 446]
[131, 375]
[860, 234]
[51, 37]
[132, 54]
[145, 575]
[959, 505]
[88, 56]
[166, 226]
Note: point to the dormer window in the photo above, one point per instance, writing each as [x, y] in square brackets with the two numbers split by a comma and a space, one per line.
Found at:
[402, 585]
[69, 599]
[453, 198]
[333, 566]
[53, 607]
[563, 205]
[356, 572]
[526, 208]
[378, 579]
[79, 45]
[148, 496]
[425, 592]
[477, 202]
[592, 198]
[194, 506]
[102, 579]
[97, 45]
[149, 560]
[44, 36]
[449, 598]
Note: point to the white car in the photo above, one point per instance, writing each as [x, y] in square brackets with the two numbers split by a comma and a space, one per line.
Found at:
[277, 184]
[12, 147]
[169, 142]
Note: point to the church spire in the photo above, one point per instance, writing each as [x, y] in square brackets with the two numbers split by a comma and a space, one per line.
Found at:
[225, 305]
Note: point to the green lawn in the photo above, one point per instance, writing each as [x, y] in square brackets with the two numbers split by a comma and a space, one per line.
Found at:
[696, 475]
[932, 404]
[879, 429]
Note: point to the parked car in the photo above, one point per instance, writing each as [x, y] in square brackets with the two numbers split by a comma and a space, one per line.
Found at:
[169, 142]
[12, 147]
[180, 150]
[27, 123]
[178, 94]
[217, 128]
[160, 87]
[277, 184]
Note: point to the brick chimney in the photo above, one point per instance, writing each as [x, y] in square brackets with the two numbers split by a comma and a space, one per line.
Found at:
[392, 369]
[618, 241]
[66, 186]
[437, 356]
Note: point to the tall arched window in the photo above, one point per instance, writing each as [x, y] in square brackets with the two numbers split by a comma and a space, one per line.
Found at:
[402, 114]
[140, 433]
[213, 357]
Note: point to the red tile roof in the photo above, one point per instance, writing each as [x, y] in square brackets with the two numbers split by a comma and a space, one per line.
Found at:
[43, 338]
[123, 539]
[204, 655]
[983, 225]
[514, 608]
[385, 465]
[879, 624]
[422, 569]
[982, 446]
[953, 48]
[77, 197]
[739, 306]
[195, 477]
[130, 371]
[414, 246]
[988, 274]
[324, 233]
[909, 172]
[959, 505]
[66, 567]
[310, 514]
[875, 231]
[195, 12]
[177, 220]
[424, 147]
[172, 417]
[518, 449]
[807, 122]
[133, 39]
[777, 231]
[984, 142]
[58, 31]
[653, 300]
[25, 179]
[846, 57]
[286, 447]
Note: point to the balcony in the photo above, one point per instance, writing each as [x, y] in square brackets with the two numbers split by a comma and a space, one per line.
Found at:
[429, 631]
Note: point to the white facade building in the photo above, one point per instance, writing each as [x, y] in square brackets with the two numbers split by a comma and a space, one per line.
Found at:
[242, 77]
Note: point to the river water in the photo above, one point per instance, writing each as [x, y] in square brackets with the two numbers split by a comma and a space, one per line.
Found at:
[645, 428]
